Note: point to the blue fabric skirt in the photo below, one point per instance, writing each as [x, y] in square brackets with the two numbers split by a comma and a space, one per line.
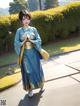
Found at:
[31, 69]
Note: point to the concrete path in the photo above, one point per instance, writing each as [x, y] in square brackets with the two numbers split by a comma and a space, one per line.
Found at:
[62, 85]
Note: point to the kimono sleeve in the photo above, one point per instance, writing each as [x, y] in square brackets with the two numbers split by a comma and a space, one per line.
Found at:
[37, 42]
[17, 43]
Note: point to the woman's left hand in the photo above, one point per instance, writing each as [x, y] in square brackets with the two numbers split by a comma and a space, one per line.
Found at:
[31, 40]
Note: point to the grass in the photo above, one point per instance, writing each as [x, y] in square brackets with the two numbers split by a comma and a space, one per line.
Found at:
[5, 70]
[63, 46]
[8, 59]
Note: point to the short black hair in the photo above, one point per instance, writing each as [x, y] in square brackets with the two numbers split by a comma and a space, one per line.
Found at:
[24, 13]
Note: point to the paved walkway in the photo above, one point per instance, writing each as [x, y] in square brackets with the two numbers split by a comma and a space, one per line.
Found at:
[62, 84]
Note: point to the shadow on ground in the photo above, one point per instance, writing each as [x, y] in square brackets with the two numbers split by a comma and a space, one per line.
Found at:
[34, 101]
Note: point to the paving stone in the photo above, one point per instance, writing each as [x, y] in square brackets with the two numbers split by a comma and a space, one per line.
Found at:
[75, 65]
[52, 72]
[59, 83]
[68, 58]
[65, 96]
[62, 92]
[76, 76]
[50, 63]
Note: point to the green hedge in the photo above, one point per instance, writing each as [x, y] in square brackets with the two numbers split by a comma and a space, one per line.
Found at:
[52, 24]
[7, 24]
[58, 22]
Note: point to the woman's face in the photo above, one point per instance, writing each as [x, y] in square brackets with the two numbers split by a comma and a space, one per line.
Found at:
[25, 20]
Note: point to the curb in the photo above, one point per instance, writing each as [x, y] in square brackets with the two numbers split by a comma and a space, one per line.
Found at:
[7, 87]
[64, 53]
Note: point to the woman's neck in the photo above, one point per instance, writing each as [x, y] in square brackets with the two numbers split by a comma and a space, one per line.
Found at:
[25, 26]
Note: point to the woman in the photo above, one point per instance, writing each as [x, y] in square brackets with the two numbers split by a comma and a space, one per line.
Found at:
[31, 69]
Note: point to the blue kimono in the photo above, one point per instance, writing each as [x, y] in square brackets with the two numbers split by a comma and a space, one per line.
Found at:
[31, 69]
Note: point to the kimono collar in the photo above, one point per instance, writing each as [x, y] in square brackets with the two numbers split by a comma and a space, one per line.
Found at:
[25, 28]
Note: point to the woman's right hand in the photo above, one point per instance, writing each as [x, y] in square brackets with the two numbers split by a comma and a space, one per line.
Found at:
[24, 41]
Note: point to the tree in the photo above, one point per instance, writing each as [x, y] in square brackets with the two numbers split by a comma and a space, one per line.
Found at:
[17, 5]
[40, 4]
[33, 4]
[55, 3]
[51, 3]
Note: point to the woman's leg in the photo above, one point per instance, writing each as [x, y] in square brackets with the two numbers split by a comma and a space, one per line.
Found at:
[42, 89]
[30, 93]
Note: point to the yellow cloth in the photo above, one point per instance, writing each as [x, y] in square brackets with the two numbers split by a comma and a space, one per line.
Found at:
[44, 54]
[27, 45]
[21, 55]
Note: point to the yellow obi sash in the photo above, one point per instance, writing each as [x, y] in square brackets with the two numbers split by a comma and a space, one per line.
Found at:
[29, 45]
